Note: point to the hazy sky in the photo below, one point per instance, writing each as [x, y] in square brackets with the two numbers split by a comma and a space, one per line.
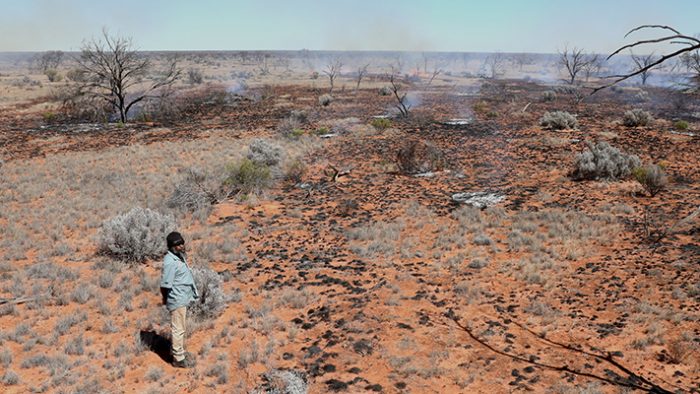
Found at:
[422, 25]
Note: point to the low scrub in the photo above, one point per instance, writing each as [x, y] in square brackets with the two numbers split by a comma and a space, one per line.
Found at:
[602, 161]
[247, 177]
[381, 124]
[212, 299]
[681, 125]
[292, 126]
[325, 100]
[651, 177]
[549, 95]
[295, 170]
[136, 235]
[264, 152]
[558, 120]
[417, 157]
[637, 118]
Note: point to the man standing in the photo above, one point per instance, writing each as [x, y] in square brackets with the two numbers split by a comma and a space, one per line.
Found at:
[178, 290]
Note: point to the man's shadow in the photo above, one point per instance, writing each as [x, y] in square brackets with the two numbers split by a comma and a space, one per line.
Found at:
[156, 343]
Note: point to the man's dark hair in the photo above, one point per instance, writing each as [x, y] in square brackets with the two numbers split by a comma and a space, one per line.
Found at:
[174, 239]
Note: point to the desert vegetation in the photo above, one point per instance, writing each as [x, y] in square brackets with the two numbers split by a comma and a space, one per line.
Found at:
[356, 222]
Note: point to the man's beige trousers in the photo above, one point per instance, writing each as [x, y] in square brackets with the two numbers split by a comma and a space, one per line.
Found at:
[177, 331]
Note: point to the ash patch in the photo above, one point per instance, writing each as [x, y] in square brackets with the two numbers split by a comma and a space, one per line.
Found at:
[478, 199]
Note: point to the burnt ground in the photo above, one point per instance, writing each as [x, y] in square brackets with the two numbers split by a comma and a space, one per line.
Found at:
[607, 310]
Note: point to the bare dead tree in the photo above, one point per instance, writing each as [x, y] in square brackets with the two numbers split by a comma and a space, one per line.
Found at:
[689, 45]
[691, 62]
[112, 69]
[361, 72]
[575, 61]
[592, 66]
[425, 62]
[402, 103]
[641, 62]
[437, 71]
[332, 71]
[264, 64]
[399, 64]
[523, 59]
[494, 65]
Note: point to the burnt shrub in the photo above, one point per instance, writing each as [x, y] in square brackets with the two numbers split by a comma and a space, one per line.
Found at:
[602, 161]
[636, 118]
[558, 120]
[136, 235]
[651, 177]
[195, 191]
[295, 170]
[417, 157]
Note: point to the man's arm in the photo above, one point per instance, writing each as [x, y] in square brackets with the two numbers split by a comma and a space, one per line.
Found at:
[164, 291]
[166, 279]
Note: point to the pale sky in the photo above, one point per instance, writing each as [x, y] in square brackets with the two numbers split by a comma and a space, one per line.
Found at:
[414, 25]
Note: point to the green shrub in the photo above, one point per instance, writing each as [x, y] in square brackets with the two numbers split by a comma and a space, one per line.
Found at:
[492, 114]
[247, 177]
[651, 177]
[381, 124]
[681, 125]
[49, 116]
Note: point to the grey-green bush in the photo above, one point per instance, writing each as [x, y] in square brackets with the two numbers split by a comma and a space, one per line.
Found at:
[136, 235]
[549, 95]
[602, 161]
[637, 117]
[558, 120]
[212, 298]
[264, 152]
[325, 99]
[10, 378]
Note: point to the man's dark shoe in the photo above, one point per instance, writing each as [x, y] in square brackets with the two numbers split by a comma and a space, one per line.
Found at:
[184, 363]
